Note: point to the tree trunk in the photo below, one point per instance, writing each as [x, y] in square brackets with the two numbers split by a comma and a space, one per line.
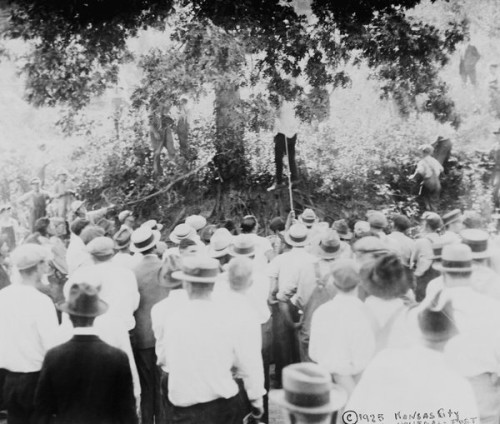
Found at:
[230, 159]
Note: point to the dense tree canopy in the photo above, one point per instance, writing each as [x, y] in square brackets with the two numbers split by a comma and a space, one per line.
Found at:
[78, 45]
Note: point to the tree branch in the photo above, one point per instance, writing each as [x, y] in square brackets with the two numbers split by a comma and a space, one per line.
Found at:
[169, 186]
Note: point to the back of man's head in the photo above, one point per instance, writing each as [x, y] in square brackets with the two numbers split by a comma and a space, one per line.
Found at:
[240, 273]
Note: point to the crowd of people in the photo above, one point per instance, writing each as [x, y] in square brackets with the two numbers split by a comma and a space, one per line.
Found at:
[119, 321]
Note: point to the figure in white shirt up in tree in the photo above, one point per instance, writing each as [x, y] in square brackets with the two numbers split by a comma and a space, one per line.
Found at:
[286, 127]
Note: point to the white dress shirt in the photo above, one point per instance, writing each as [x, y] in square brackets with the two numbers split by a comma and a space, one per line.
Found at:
[342, 338]
[160, 316]
[476, 349]
[286, 123]
[110, 331]
[203, 343]
[413, 381]
[403, 328]
[118, 289]
[286, 269]
[28, 321]
[77, 254]
[257, 294]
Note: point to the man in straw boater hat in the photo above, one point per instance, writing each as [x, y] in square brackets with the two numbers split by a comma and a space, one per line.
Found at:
[283, 272]
[161, 314]
[28, 321]
[245, 281]
[85, 379]
[147, 271]
[475, 353]
[315, 283]
[419, 379]
[308, 395]
[484, 279]
[122, 240]
[219, 246]
[119, 284]
[204, 345]
[78, 209]
[342, 339]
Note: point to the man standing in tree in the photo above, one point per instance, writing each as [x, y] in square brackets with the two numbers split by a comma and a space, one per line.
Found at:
[286, 127]
[36, 200]
[160, 130]
[182, 128]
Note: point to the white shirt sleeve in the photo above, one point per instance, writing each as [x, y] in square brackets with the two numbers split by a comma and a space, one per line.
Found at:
[248, 359]
[47, 323]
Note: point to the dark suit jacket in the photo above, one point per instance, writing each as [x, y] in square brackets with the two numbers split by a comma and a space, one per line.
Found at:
[85, 381]
[147, 272]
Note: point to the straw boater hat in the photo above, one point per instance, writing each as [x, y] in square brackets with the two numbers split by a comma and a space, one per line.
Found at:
[328, 246]
[220, 242]
[83, 301]
[182, 231]
[144, 239]
[456, 257]
[308, 389]
[196, 221]
[297, 235]
[478, 241]
[451, 217]
[308, 218]
[198, 269]
[243, 245]
[35, 180]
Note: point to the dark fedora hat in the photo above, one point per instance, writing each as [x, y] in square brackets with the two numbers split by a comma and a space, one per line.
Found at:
[308, 389]
[83, 301]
